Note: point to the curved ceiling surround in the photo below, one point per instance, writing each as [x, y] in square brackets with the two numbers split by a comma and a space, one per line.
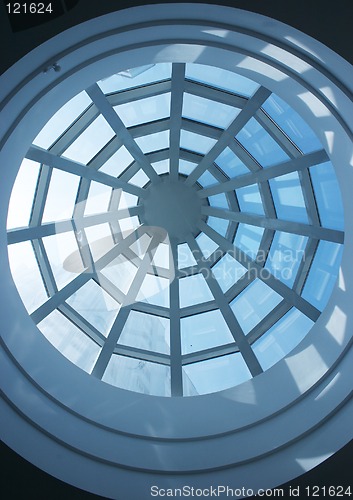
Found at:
[176, 229]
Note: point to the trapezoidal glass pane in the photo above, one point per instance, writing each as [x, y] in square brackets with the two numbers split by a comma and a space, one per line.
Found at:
[248, 239]
[261, 145]
[286, 253]
[222, 79]
[292, 124]
[209, 112]
[161, 167]
[90, 141]
[153, 142]
[328, 195]
[70, 341]
[21, 201]
[120, 272]
[249, 199]
[95, 305]
[185, 256]
[60, 248]
[219, 225]
[117, 163]
[26, 275]
[100, 240]
[323, 274]
[186, 167]
[231, 164]
[194, 290]
[138, 376]
[154, 290]
[207, 179]
[140, 179]
[281, 338]
[228, 271]
[204, 331]
[206, 245]
[219, 201]
[149, 74]
[62, 119]
[98, 198]
[196, 142]
[145, 331]
[63, 186]
[253, 304]
[214, 375]
[288, 198]
[144, 110]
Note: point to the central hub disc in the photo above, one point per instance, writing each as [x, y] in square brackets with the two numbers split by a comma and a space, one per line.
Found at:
[173, 206]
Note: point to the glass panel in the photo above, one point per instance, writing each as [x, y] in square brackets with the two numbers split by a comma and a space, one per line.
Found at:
[230, 164]
[100, 240]
[59, 249]
[22, 194]
[288, 198]
[228, 271]
[194, 290]
[138, 376]
[128, 225]
[261, 145]
[90, 142]
[328, 195]
[214, 375]
[207, 179]
[219, 225]
[161, 167]
[281, 339]
[63, 187]
[218, 201]
[292, 124]
[323, 274]
[249, 199]
[207, 111]
[70, 341]
[186, 167]
[253, 304]
[149, 74]
[117, 163]
[144, 110]
[222, 79]
[95, 305]
[98, 198]
[195, 142]
[286, 252]
[127, 200]
[145, 331]
[62, 119]
[203, 331]
[162, 256]
[185, 256]
[206, 245]
[153, 142]
[26, 275]
[121, 273]
[248, 239]
[140, 246]
[140, 179]
[154, 290]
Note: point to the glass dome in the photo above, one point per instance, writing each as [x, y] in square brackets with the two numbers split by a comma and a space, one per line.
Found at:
[175, 229]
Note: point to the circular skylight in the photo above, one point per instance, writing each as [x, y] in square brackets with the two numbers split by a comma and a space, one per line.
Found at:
[175, 229]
